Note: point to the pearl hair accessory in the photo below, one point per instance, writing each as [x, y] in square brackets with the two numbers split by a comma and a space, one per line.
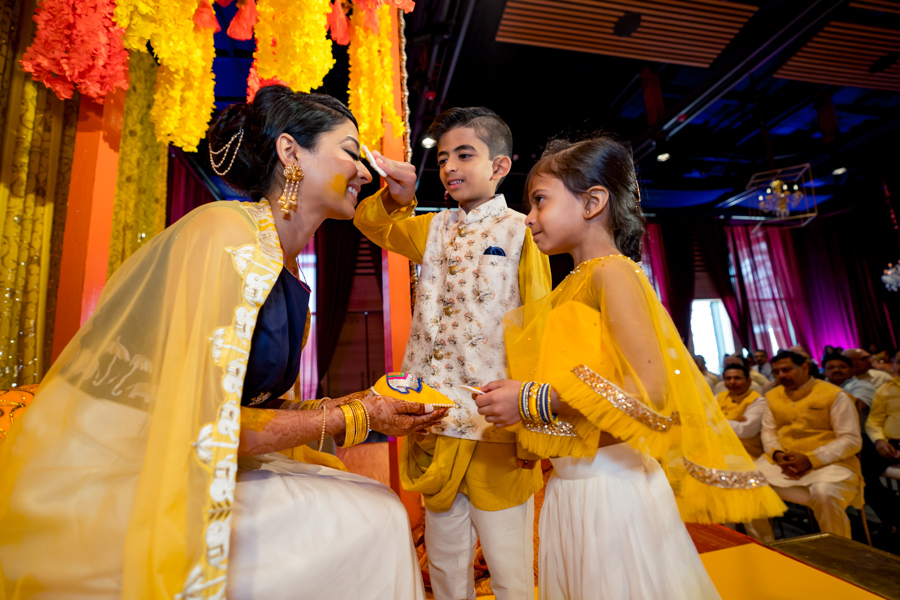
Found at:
[214, 156]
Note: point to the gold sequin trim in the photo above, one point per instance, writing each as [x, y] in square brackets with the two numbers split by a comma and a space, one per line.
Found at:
[629, 405]
[560, 428]
[729, 480]
[261, 398]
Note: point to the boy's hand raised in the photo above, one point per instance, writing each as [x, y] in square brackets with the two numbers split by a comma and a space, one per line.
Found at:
[401, 180]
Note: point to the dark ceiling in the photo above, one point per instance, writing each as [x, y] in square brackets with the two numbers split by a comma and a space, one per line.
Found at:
[747, 111]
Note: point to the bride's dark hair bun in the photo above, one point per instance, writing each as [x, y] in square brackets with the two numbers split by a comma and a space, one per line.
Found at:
[275, 110]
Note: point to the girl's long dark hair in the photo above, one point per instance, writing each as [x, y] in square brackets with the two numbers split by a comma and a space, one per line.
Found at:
[600, 160]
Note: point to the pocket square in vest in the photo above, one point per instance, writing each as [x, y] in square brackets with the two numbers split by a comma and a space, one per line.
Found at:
[494, 251]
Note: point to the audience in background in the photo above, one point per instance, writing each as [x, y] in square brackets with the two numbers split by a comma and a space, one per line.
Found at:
[862, 367]
[882, 361]
[757, 380]
[810, 435]
[839, 371]
[805, 433]
[743, 407]
[813, 367]
[711, 378]
[882, 450]
[761, 364]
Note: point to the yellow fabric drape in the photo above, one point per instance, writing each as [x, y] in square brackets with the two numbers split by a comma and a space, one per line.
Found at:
[140, 209]
[609, 348]
[119, 479]
[35, 164]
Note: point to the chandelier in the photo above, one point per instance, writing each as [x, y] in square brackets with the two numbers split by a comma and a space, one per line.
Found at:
[785, 197]
[781, 198]
[891, 277]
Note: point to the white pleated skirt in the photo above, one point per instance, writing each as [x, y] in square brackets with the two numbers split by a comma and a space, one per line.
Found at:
[303, 531]
[610, 529]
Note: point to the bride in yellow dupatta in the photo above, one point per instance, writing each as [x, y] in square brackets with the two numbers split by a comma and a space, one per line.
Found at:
[123, 479]
[608, 391]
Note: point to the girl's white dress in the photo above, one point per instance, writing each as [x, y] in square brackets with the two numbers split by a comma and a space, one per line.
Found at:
[610, 529]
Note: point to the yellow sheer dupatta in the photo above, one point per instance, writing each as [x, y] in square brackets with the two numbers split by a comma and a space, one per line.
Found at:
[610, 349]
[122, 472]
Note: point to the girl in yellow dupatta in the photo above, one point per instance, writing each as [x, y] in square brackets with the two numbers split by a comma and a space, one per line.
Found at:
[123, 479]
[603, 385]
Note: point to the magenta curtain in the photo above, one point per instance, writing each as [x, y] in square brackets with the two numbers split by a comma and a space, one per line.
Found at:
[713, 246]
[760, 290]
[186, 189]
[793, 286]
[653, 260]
[829, 318]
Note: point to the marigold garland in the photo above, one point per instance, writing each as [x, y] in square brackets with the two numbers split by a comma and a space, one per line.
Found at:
[77, 45]
[185, 87]
[292, 42]
[254, 82]
[371, 92]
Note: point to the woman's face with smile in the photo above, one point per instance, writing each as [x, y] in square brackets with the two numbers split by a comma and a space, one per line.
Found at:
[334, 172]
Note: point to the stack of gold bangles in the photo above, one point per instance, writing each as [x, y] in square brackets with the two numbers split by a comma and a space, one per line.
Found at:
[357, 423]
[312, 404]
[534, 403]
[356, 419]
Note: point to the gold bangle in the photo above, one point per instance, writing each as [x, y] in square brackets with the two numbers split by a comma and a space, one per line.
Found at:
[362, 421]
[324, 423]
[349, 426]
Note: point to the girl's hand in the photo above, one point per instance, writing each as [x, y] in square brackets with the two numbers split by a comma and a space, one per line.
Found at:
[398, 418]
[500, 402]
[401, 179]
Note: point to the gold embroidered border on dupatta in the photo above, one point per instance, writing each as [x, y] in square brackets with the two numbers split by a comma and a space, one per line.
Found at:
[216, 446]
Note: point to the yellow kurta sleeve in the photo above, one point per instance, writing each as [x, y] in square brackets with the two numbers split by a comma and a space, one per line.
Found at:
[399, 231]
[534, 271]
[878, 415]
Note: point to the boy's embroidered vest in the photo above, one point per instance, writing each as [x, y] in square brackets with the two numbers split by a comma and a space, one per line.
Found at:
[733, 411]
[805, 424]
[456, 337]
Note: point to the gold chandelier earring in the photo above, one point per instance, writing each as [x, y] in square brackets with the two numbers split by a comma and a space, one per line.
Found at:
[293, 175]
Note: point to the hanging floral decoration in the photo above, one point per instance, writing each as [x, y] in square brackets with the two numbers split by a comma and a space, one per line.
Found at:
[292, 43]
[181, 33]
[371, 90]
[254, 82]
[77, 46]
[241, 27]
[338, 24]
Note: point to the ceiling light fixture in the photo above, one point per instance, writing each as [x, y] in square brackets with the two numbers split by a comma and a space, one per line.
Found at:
[428, 142]
[663, 157]
[839, 171]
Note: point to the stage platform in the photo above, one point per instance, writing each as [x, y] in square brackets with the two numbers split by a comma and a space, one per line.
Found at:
[804, 568]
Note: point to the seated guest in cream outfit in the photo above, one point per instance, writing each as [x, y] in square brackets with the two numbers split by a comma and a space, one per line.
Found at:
[810, 434]
[862, 367]
[757, 380]
[743, 407]
[882, 450]
[839, 371]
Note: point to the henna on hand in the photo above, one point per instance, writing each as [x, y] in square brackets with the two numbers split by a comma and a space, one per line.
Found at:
[398, 418]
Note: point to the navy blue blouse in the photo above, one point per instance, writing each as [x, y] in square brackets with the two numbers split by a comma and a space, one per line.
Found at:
[274, 362]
